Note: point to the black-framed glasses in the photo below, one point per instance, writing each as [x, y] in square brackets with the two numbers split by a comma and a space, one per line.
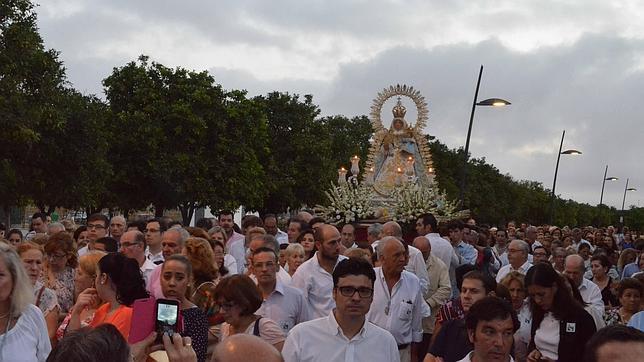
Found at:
[350, 291]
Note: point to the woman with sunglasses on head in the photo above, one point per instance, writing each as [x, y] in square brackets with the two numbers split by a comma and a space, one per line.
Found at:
[239, 298]
[45, 299]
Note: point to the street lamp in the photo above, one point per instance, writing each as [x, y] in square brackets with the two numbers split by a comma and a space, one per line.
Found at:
[554, 182]
[494, 102]
[601, 197]
[626, 188]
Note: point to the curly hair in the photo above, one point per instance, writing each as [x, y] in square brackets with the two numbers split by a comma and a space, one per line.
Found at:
[126, 277]
[63, 241]
[628, 283]
[202, 258]
[29, 245]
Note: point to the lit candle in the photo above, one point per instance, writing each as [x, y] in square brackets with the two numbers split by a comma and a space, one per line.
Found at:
[355, 165]
[409, 167]
[369, 176]
[399, 177]
[342, 175]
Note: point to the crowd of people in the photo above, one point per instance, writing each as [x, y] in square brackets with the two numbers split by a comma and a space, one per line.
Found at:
[457, 291]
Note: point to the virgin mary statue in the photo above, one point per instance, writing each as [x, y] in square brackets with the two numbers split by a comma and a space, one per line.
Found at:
[398, 154]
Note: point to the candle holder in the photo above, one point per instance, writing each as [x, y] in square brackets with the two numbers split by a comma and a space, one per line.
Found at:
[342, 175]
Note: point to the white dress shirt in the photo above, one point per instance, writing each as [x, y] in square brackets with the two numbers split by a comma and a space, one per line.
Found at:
[235, 247]
[154, 258]
[317, 286]
[400, 312]
[146, 269]
[469, 356]
[231, 264]
[592, 295]
[505, 270]
[286, 306]
[441, 248]
[416, 265]
[322, 340]
[281, 237]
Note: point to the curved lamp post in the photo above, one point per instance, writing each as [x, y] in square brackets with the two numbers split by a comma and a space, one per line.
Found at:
[626, 189]
[494, 102]
[601, 197]
[554, 182]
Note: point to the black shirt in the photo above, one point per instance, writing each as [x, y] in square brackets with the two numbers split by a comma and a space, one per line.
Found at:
[452, 342]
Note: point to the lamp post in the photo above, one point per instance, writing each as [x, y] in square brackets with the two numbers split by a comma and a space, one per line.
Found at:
[601, 197]
[554, 182]
[626, 188]
[494, 102]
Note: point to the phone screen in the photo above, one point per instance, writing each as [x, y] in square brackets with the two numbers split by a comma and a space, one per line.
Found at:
[167, 318]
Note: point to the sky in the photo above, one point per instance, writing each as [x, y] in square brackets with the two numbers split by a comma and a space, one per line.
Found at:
[573, 65]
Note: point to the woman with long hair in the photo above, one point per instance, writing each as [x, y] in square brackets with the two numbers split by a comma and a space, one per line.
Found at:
[85, 278]
[176, 276]
[307, 240]
[560, 325]
[599, 266]
[23, 332]
[45, 299]
[60, 266]
[204, 273]
[224, 259]
[118, 284]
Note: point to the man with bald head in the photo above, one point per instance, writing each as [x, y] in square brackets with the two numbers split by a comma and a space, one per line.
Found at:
[574, 269]
[518, 251]
[415, 261]
[440, 289]
[314, 277]
[133, 247]
[245, 348]
[398, 304]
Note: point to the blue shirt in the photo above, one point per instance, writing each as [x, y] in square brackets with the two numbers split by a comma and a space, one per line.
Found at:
[467, 253]
[631, 269]
[637, 321]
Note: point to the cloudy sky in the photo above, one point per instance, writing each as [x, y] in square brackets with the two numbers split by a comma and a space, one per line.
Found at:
[576, 65]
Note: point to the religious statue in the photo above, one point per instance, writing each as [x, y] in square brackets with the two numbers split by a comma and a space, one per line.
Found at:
[401, 153]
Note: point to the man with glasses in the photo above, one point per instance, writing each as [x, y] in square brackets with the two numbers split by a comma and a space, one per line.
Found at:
[518, 251]
[154, 230]
[282, 304]
[314, 278]
[133, 246]
[398, 305]
[344, 334]
[96, 229]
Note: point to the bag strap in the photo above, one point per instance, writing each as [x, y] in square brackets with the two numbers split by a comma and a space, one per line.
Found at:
[256, 327]
[39, 295]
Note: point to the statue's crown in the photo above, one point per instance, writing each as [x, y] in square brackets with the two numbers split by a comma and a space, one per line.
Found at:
[399, 110]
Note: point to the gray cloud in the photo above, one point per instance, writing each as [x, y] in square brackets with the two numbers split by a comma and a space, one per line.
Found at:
[560, 70]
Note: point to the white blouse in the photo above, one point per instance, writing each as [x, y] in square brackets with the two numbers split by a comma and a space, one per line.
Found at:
[28, 340]
[546, 339]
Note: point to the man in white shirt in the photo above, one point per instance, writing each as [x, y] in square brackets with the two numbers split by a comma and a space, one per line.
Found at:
[344, 334]
[282, 304]
[117, 227]
[590, 292]
[577, 239]
[154, 230]
[235, 241]
[518, 257]
[415, 262]
[270, 225]
[96, 229]
[314, 278]
[491, 324]
[268, 241]
[133, 246]
[348, 234]
[398, 299]
[441, 248]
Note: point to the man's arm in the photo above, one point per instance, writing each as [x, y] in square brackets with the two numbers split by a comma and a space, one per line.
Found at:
[443, 291]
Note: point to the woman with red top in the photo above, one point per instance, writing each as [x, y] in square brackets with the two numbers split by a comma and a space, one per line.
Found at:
[118, 283]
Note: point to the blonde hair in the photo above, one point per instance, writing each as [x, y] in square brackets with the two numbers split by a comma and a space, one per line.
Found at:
[202, 258]
[22, 294]
[294, 248]
[513, 276]
[89, 262]
[358, 253]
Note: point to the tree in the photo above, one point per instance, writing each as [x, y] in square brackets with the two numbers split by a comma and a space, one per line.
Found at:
[349, 137]
[183, 141]
[299, 165]
[31, 78]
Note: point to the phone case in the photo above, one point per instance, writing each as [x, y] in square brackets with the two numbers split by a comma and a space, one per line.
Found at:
[143, 319]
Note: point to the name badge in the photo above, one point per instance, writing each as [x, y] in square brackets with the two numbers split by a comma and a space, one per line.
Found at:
[570, 327]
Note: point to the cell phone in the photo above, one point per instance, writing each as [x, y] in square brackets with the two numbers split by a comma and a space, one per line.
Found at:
[167, 317]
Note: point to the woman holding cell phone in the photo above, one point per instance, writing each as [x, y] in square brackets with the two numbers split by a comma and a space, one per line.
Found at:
[176, 276]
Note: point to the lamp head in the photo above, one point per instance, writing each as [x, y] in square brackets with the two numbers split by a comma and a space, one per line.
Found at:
[571, 152]
[495, 102]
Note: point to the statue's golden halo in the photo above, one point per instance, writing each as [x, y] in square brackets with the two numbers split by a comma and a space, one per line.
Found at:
[399, 90]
